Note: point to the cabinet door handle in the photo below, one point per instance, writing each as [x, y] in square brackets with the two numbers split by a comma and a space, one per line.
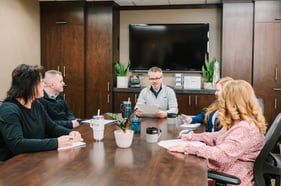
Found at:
[196, 100]
[136, 98]
[277, 89]
[63, 71]
[275, 103]
[108, 86]
[108, 98]
[276, 73]
[58, 68]
[61, 22]
[189, 100]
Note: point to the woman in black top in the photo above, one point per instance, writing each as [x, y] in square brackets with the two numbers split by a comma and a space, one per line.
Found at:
[24, 124]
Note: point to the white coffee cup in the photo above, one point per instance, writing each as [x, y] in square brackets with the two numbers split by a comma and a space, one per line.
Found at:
[98, 129]
[152, 134]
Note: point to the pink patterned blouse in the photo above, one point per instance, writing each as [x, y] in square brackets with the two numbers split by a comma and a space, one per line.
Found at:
[233, 151]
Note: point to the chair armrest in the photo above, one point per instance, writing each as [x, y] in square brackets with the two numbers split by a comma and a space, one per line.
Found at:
[223, 178]
[276, 159]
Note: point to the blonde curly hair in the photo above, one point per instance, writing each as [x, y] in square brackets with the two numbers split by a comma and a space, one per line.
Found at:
[214, 106]
[239, 102]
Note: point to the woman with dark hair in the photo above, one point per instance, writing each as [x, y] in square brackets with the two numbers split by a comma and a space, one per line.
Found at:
[24, 124]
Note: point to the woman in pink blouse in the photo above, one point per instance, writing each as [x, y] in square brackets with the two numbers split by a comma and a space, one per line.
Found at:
[234, 148]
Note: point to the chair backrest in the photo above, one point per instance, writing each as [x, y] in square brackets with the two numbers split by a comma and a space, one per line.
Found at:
[262, 167]
[261, 103]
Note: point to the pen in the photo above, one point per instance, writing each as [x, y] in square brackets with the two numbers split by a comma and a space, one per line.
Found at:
[185, 132]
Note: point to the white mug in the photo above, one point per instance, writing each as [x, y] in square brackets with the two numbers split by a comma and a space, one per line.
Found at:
[98, 129]
[152, 134]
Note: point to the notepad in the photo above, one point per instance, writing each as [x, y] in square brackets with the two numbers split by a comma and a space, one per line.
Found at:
[74, 145]
[173, 142]
[190, 126]
[104, 121]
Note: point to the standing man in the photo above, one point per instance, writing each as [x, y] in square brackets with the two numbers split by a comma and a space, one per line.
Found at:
[54, 102]
[157, 94]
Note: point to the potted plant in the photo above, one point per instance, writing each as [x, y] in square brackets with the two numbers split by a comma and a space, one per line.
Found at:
[121, 73]
[208, 72]
[124, 135]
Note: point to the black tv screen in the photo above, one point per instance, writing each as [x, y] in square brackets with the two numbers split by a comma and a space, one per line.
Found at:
[172, 47]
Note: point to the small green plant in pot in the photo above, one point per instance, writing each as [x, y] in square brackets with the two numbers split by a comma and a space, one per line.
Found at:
[121, 73]
[208, 72]
[120, 69]
[124, 136]
[123, 123]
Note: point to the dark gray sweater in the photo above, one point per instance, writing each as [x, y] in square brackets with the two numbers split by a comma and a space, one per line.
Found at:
[25, 130]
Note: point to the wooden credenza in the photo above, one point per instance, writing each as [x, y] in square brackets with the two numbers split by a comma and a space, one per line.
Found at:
[190, 102]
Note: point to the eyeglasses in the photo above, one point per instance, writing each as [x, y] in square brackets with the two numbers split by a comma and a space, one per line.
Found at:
[156, 78]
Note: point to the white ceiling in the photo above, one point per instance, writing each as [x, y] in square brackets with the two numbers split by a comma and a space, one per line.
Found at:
[147, 2]
[156, 2]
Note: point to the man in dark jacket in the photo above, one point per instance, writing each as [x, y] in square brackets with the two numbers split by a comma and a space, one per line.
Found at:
[54, 102]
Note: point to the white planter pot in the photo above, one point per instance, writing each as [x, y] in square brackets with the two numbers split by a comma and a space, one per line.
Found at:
[208, 85]
[122, 81]
[123, 139]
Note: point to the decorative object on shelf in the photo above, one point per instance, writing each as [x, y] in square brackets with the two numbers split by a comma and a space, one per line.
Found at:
[216, 75]
[208, 72]
[179, 80]
[121, 73]
[135, 81]
[123, 136]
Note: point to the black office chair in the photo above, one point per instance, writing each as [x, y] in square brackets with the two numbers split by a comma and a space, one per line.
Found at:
[266, 166]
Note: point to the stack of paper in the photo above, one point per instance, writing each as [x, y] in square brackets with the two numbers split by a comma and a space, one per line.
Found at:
[75, 144]
[173, 142]
[190, 126]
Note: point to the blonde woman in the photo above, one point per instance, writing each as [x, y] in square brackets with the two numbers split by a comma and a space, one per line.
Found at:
[208, 116]
[234, 148]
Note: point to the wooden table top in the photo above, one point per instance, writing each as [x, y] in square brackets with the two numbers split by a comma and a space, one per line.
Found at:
[103, 163]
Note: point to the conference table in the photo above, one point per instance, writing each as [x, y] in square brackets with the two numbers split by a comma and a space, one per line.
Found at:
[103, 163]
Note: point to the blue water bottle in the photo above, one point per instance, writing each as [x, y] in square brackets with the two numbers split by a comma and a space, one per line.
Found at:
[128, 108]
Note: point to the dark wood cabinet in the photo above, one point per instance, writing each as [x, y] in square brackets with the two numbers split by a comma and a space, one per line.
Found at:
[190, 104]
[101, 51]
[237, 40]
[62, 48]
[193, 104]
[81, 40]
[119, 97]
[267, 56]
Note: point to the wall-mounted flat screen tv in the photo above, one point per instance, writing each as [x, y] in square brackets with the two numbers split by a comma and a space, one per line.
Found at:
[172, 47]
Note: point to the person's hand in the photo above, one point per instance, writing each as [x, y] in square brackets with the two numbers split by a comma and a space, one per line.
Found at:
[186, 119]
[64, 141]
[139, 113]
[177, 148]
[161, 114]
[75, 123]
[186, 134]
[76, 136]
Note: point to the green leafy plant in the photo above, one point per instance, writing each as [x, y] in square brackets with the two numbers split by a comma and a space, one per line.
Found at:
[120, 69]
[208, 69]
[122, 123]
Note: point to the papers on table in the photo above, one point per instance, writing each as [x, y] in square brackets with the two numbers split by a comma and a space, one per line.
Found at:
[75, 144]
[104, 121]
[169, 143]
[148, 110]
[190, 126]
